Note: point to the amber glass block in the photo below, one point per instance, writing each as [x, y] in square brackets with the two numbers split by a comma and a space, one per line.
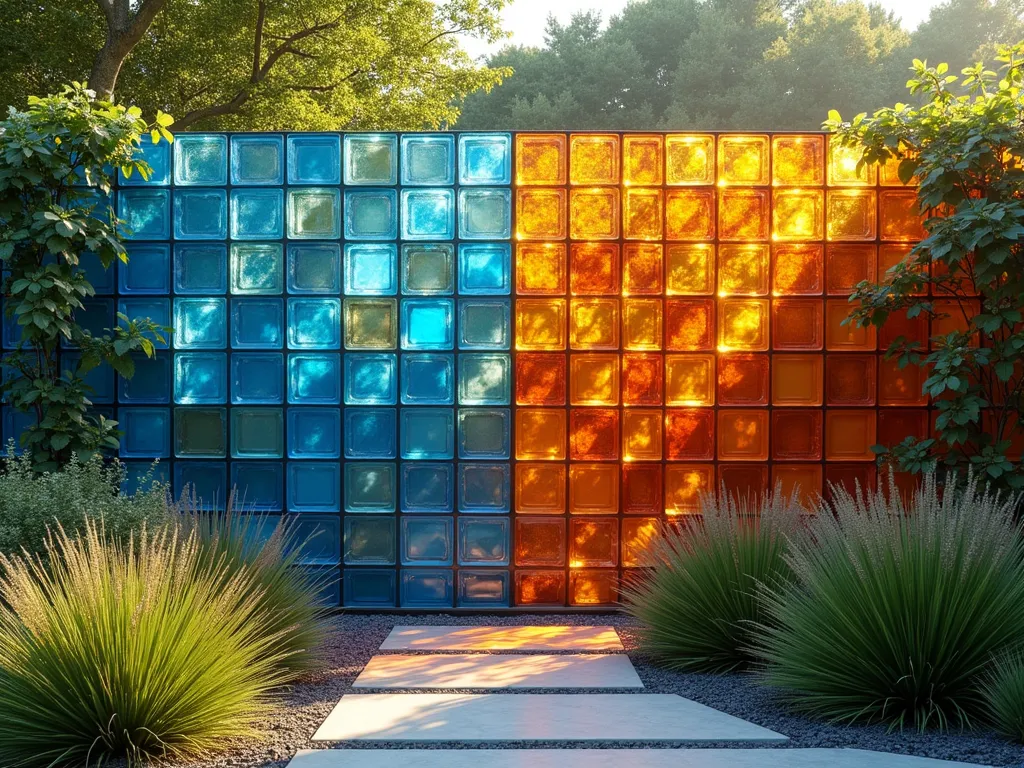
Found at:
[638, 536]
[851, 214]
[594, 213]
[540, 434]
[593, 489]
[690, 380]
[798, 214]
[847, 265]
[642, 269]
[798, 269]
[641, 434]
[898, 325]
[897, 424]
[593, 434]
[803, 480]
[743, 325]
[743, 380]
[594, 269]
[641, 489]
[540, 587]
[842, 167]
[797, 379]
[540, 379]
[689, 159]
[849, 477]
[849, 337]
[593, 158]
[743, 269]
[743, 160]
[901, 386]
[684, 484]
[689, 434]
[891, 254]
[540, 324]
[690, 269]
[641, 324]
[540, 214]
[849, 435]
[900, 215]
[594, 324]
[540, 269]
[594, 543]
[889, 174]
[744, 481]
[798, 325]
[593, 379]
[798, 161]
[540, 488]
[850, 379]
[743, 214]
[540, 541]
[952, 316]
[689, 324]
[642, 214]
[593, 587]
[796, 434]
[742, 434]
[690, 214]
[642, 160]
[540, 159]
[641, 379]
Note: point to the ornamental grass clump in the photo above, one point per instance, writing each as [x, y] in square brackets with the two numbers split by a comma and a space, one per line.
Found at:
[1003, 690]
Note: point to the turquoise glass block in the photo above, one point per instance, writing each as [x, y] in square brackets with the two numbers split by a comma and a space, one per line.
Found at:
[428, 270]
[371, 323]
[320, 539]
[371, 269]
[200, 433]
[314, 159]
[427, 487]
[371, 379]
[314, 213]
[314, 378]
[371, 159]
[257, 159]
[257, 433]
[428, 323]
[257, 268]
[104, 280]
[314, 323]
[485, 214]
[257, 323]
[200, 323]
[151, 383]
[426, 588]
[158, 157]
[257, 214]
[140, 476]
[208, 480]
[483, 589]
[428, 379]
[485, 324]
[427, 540]
[485, 269]
[428, 433]
[369, 588]
[484, 488]
[428, 214]
[428, 160]
[371, 214]
[200, 214]
[314, 433]
[483, 541]
[485, 158]
[257, 378]
[314, 268]
[100, 379]
[370, 540]
[98, 315]
[146, 213]
[370, 487]
[370, 433]
[146, 433]
[200, 160]
[200, 378]
[260, 485]
[200, 268]
[484, 433]
[314, 486]
[485, 379]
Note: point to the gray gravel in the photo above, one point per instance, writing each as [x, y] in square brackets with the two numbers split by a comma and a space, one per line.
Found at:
[358, 637]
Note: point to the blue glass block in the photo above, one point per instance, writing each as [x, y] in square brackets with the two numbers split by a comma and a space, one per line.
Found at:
[146, 213]
[314, 268]
[257, 378]
[11, 332]
[371, 214]
[257, 159]
[427, 540]
[369, 540]
[314, 433]
[428, 323]
[428, 379]
[99, 315]
[326, 579]
[259, 484]
[208, 480]
[200, 268]
[257, 214]
[320, 537]
[369, 587]
[200, 378]
[371, 269]
[428, 160]
[257, 433]
[428, 270]
[104, 280]
[484, 433]
[151, 383]
[485, 324]
[200, 214]
[371, 379]
[314, 378]
[148, 270]
[314, 323]
[483, 589]
[97, 202]
[146, 433]
[257, 323]
[140, 476]
[369, 487]
[485, 379]
[314, 486]
[158, 157]
[200, 323]
[371, 159]
[100, 379]
[427, 588]
[200, 433]
[15, 423]
[314, 213]
[428, 214]
[428, 433]
[485, 158]
[427, 487]
[485, 214]
[257, 268]
[370, 433]
[484, 488]
[314, 159]
[485, 269]
[200, 160]
[483, 541]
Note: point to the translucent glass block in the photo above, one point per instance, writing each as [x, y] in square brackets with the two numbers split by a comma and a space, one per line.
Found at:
[642, 489]
[257, 268]
[370, 540]
[641, 324]
[743, 160]
[484, 434]
[485, 214]
[200, 323]
[428, 433]
[314, 378]
[200, 268]
[314, 268]
[428, 270]
[540, 488]
[743, 380]
[540, 434]
[370, 433]
[371, 214]
[320, 538]
[743, 325]
[798, 270]
[900, 386]
[483, 589]
[684, 484]
[327, 581]
[743, 214]
[371, 159]
[314, 486]
[594, 543]
[314, 159]
[151, 382]
[849, 337]
[257, 324]
[97, 316]
[485, 269]
[103, 280]
[690, 380]
[146, 213]
[540, 214]
[428, 540]
[428, 379]
[484, 488]
[257, 378]
[483, 541]
[200, 378]
[849, 435]
[594, 269]
[594, 324]
[314, 433]
[594, 489]
[540, 541]
[200, 214]
[593, 587]
[798, 214]
[371, 323]
[850, 379]
[200, 433]
[371, 379]
[901, 217]
[851, 214]
[208, 480]
[146, 433]
[642, 159]
[540, 379]
[642, 268]
[689, 269]
[797, 380]
[485, 158]
[142, 475]
[642, 214]
[100, 379]
[593, 158]
[426, 588]
[594, 380]
[642, 379]
[257, 214]
[638, 537]
[540, 269]
[428, 323]
[485, 379]
[147, 271]
[370, 487]
[541, 159]
[427, 487]
[314, 323]
[428, 214]
[848, 265]
[690, 159]
[594, 434]
[158, 157]
[369, 588]
[540, 588]
[743, 270]
[257, 159]
[314, 213]
[843, 170]
[200, 160]
[798, 161]
[428, 160]
[690, 434]
[690, 214]
[594, 214]
[371, 269]
[257, 433]
[796, 434]
[485, 324]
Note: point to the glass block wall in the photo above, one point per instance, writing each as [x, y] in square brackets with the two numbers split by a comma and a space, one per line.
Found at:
[486, 366]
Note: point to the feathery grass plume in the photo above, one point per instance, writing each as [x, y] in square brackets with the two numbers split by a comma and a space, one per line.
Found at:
[1003, 690]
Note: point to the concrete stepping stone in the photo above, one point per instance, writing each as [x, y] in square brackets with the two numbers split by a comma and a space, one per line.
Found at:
[470, 718]
[488, 670]
[502, 639]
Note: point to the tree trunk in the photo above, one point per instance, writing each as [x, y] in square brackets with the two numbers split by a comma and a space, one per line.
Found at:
[125, 27]
[105, 69]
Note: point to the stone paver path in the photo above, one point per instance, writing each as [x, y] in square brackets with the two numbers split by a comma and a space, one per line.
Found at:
[502, 639]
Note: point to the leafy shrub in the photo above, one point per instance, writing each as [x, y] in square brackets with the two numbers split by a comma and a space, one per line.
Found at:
[897, 611]
[699, 604]
[1004, 695]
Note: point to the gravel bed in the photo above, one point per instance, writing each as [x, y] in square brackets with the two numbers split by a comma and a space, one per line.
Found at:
[358, 637]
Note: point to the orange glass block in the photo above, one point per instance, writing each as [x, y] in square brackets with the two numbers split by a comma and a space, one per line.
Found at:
[689, 159]
[641, 324]
[690, 269]
[593, 587]
[690, 214]
[684, 484]
[641, 379]
[642, 160]
[742, 435]
[849, 435]
[798, 270]
[540, 588]
[593, 434]
[594, 269]
[849, 337]
[848, 477]
[798, 161]
[641, 489]
[540, 214]
[641, 434]
[743, 380]
[540, 269]
[889, 174]
[594, 213]
[850, 214]
[540, 434]
[593, 379]
[540, 541]
[594, 543]
[540, 488]
[642, 269]
[594, 324]
[540, 324]
[743, 214]
[847, 265]
[798, 324]
[900, 215]
[891, 254]
[743, 325]
[797, 379]
[743, 269]
[689, 434]
[642, 210]
[540, 159]
[901, 386]
[639, 535]
[897, 424]
[743, 160]
[952, 317]
[798, 214]
[593, 158]
[796, 434]
[898, 326]
[850, 379]
[843, 170]
[689, 324]
[690, 380]
[804, 480]
[593, 489]
[540, 379]
[743, 481]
